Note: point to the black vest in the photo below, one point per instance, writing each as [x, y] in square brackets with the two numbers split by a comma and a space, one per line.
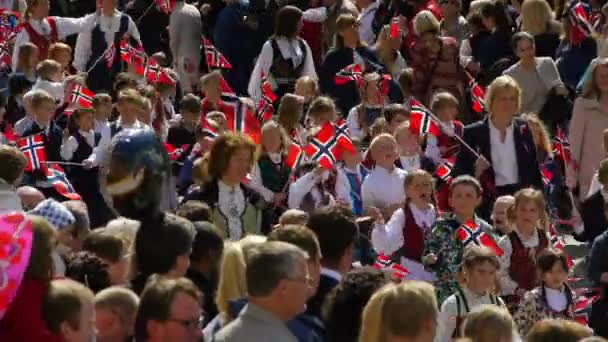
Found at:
[283, 70]
[84, 150]
[274, 176]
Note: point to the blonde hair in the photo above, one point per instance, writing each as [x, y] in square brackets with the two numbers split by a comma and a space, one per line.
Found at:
[344, 22]
[269, 126]
[47, 68]
[442, 99]
[558, 330]
[502, 83]
[403, 127]
[290, 110]
[23, 59]
[425, 22]
[545, 139]
[398, 309]
[380, 126]
[590, 89]
[386, 54]
[535, 16]
[232, 283]
[57, 48]
[35, 98]
[206, 80]
[130, 96]
[534, 196]
[489, 323]
[310, 82]
[200, 172]
[122, 301]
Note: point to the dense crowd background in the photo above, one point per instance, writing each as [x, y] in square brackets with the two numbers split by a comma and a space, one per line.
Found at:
[247, 170]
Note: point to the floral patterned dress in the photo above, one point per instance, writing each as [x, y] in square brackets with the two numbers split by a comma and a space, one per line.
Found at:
[534, 307]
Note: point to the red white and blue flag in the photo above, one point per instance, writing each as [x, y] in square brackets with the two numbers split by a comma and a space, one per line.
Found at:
[326, 146]
[350, 73]
[215, 59]
[421, 120]
[477, 94]
[444, 170]
[295, 155]
[384, 263]
[82, 96]
[33, 148]
[561, 148]
[265, 108]
[56, 176]
[470, 232]
[110, 55]
[166, 5]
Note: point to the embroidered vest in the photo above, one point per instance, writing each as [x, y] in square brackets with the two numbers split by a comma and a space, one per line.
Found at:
[523, 266]
[41, 41]
[251, 220]
[274, 176]
[413, 236]
[283, 70]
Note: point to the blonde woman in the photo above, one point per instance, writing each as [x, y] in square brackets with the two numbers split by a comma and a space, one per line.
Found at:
[387, 49]
[363, 115]
[589, 119]
[232, 284]
[400, 312]
[537, 19]
[504, 143]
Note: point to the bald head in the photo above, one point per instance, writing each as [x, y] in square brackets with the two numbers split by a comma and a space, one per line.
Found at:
[30, 197]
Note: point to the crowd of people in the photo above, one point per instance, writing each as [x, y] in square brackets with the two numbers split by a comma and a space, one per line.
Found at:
[246, 170]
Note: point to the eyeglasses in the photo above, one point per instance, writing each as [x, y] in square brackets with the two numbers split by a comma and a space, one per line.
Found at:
[190, 324]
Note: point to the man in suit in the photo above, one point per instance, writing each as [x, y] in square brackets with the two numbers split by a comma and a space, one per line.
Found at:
[507, 154]
[336, 231]
[593, 209]
[278, 284]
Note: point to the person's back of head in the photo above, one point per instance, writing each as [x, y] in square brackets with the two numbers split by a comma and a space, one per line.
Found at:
[336, 231]
[207, 247]
[164, 249]
[558, 330]
[194, 211]
[344, 304]
[407, 311]
[293, 216]
[68, 310]
[167, 307]
[13, 163]
[89, 269]
[489, 323]
[82, 223]
[277, 278]
[115, 310]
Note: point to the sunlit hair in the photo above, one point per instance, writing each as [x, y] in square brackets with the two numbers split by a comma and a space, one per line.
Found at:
[489, 323]
[535, 16]
[290, 111]
[384, 138]
[425, 22]
[369, 78]
[398, 310]
[409, 179]
[534, 196]
[321, 106]
[232, 284]
[545, 139]
[267, 128]
[223, 148]
[502, 84]
[344, 21]
[386, 53]
[442, 99]
[558, 330]
[590, 88]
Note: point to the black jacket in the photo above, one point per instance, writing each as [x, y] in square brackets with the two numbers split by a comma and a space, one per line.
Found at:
[326, 284]
[598, 264]
[592, 213]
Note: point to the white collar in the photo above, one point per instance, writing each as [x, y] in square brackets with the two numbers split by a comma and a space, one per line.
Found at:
[423, 217]
[331, 273]
[275, 157]
[382, 171]
[472, 295]
[223, 187]
[531, 241]
[496, 130]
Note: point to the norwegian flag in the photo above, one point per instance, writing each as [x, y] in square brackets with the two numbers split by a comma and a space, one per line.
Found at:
[561, 147]
[215, 59]
[343, 135]
[353, 72]
[395, 31]
[385, 84]
[176, 153]
[166, 5]
[166, 78]
[399, 272]
[242, 118]
[471, 232]
[208, 130]
[295, 155]
[265, 108]
[9, 24]
[546, 175]
[125, 50]
[9, 134]
[110, 55]
[82, 96]
[578, 16]
[133, 54]
[327, 146]
[444, 170]
[56, 176]
[559, 242]
[477, 94]
[34, 150]
[384, 263]
[152, 71]
[421, 120]
[582, 308]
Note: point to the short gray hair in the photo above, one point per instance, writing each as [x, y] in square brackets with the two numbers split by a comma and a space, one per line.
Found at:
[269, 263]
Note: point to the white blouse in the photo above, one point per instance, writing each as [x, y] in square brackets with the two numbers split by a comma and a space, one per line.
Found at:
[556, 299]
[290, 49]
[504, 158]
[382, 188]
[410, 163]
[231, 203]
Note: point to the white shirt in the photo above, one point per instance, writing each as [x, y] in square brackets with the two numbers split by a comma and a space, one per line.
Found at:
[382, 188]
[65, 27]
[410, 163]
[231, 203]
[135, 125]
[352, 120]
[556, 299]
[508, 285]
[108, 25]
[71, 145]
[504, 158]
[55, 89]
[366, 17]
[388, 238]
[446, 322]
[103, 127]
[304, 185]
[290, 49]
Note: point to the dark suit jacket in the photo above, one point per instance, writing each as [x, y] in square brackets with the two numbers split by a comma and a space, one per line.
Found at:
[477, 135]
[592, 213]
[326, 284]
